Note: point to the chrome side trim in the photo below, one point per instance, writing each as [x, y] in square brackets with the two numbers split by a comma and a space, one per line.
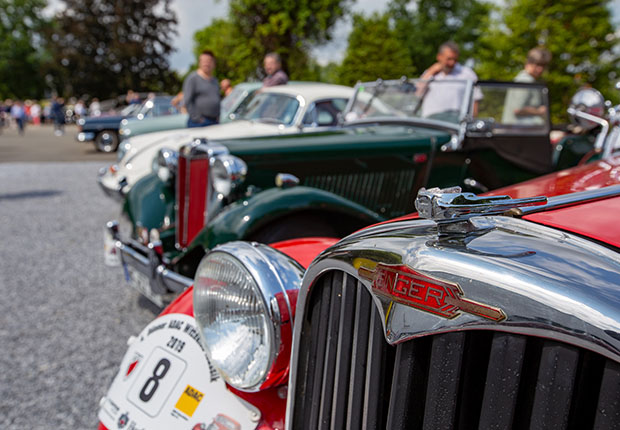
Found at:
[564, 200]
[546, 282]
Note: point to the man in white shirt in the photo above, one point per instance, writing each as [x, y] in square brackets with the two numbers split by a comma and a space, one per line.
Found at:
[448, 96]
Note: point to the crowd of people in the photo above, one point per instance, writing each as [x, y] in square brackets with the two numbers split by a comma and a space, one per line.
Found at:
[202, 92]
[20, 113]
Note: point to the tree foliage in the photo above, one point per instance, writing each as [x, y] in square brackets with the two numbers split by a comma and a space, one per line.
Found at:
[579, 35]
[423, 25]
[374, 51]
[105, 47]
[21, 24]
[255, 27]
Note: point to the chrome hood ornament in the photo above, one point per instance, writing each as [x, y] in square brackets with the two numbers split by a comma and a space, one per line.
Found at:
[451, 209]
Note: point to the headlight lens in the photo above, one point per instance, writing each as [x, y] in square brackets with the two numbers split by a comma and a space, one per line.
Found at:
[227, 173]
[234, 320]
[165, 164]
[243, 310]
[123, 149]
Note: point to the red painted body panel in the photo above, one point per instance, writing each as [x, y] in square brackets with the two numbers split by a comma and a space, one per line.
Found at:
[304, 250]
[597, 220]
[102, 427]
[272, 401]
[581, 178]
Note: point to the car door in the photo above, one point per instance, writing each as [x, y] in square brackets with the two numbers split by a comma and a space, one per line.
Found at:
[508, 139]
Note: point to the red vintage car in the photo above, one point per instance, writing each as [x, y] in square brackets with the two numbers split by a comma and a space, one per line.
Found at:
[477, 312]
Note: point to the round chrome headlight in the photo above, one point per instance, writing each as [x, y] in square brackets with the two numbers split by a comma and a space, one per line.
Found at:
[165, 164]
[227, 173]
[241, 305]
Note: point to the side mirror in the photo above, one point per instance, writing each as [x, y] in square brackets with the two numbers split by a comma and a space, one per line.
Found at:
[590, 102]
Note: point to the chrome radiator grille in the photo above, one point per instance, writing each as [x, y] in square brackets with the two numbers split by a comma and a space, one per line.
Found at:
[387, 193]
[349, 377]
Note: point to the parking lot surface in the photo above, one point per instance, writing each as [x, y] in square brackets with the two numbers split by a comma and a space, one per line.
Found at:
[64, 316]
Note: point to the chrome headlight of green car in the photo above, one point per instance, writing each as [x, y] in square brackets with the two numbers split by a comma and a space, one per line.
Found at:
[166, 163]
[227, 173]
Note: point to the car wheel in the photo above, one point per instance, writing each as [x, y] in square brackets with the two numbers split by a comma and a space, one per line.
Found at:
[106, 141]
[293, 227]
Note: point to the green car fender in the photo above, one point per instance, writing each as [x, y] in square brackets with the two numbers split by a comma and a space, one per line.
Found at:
[244, 218]
[150, 203]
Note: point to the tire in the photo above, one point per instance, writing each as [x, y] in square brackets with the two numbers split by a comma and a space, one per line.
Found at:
[293, 227]
[106, 141]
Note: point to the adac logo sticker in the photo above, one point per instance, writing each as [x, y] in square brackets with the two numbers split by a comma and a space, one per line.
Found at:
[189, 401]
[404, 285]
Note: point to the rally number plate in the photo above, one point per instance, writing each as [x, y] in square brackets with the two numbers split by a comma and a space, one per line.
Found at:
[165, 382]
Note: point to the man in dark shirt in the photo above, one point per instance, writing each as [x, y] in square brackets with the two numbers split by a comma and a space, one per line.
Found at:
[273, 67]
[201, 93]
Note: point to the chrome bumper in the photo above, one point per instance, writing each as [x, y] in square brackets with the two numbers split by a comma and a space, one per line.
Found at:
[85, 136]
[117, 193]
[148, 261]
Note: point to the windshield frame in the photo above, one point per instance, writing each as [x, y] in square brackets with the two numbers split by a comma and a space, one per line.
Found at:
[242, 115]
[373, 87]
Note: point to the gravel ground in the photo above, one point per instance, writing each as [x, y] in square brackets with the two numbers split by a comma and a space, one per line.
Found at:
[64, 316]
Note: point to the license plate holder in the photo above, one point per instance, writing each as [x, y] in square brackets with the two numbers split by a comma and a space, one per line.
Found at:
[142, 283]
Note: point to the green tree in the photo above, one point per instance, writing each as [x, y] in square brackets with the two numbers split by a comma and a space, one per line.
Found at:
[255, 27]
[374, 51]
[105, 47]
[579, 35]
[21, 24]
[423, 25]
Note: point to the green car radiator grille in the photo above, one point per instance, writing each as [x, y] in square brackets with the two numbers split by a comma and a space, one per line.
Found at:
[387, 193]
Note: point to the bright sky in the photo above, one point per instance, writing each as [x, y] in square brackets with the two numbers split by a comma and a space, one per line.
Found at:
[193, 15]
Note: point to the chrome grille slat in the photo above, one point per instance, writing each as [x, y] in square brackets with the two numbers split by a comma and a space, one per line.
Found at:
[343, 356]
[468, 379]
[608, 407]
[500, 396]
[358, 360]
[554, 387]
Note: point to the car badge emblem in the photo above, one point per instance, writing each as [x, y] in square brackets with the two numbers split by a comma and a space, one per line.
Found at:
[404, 285]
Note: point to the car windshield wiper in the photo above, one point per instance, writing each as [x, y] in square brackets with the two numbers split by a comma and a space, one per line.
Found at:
[424, 93]
[378, 91]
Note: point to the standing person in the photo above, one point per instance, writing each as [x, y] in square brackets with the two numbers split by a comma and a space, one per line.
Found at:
[447, 97]
[58, 114]
[226, 87]
[35, 113]
[272, 64]
[19, 115]
[525, 105]
[94, 109]
[201, 93]
[79, 109]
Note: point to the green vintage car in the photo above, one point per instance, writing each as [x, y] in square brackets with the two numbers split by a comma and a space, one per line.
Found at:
[393, 139]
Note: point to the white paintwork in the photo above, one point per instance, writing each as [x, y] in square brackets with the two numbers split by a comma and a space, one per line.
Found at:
[137, 162]
[172, 338]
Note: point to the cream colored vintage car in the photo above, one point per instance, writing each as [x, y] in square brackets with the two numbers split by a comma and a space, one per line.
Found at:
[284, 109]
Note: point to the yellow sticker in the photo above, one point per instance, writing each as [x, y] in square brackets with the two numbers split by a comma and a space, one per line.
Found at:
[189, 400]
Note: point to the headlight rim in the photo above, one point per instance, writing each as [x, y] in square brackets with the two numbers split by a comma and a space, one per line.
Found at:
[235, 170]
[275, 275]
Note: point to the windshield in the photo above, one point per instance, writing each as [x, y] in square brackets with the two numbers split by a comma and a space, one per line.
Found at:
[442, 100]
[232, 99]
[272, 108]
[130, 110]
